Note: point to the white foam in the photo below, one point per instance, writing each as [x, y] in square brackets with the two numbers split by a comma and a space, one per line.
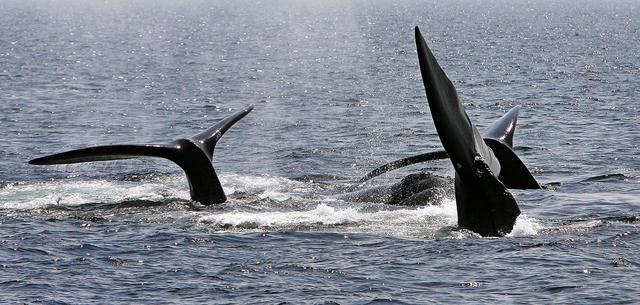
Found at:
[525, 226]
[576, 226]
[72, 193]
[266, 186]
[398, 221]
[321, 214]
[328, 214]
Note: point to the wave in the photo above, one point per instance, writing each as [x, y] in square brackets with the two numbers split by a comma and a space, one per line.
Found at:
[154, 188]
[525, 226]
[432, 221]
[257, 203]
[325, 216]
[265, 186]
[73, 193]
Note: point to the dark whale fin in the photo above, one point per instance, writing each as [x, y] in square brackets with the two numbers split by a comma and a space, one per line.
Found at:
[499, 136]
[430, 156]
[193, 155]
[503, 128]
[107, 153]
[484, 204]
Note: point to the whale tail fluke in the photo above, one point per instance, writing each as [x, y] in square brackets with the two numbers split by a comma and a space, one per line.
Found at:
[452, 121]
[193, 155]
[484, 204]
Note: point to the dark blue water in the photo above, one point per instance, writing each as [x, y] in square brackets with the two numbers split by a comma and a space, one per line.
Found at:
[337, 92]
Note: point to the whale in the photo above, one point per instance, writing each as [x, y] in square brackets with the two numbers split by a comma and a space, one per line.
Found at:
[425, 188]
[499, 136]
[194, 155]
[485, 167]
[416, 189]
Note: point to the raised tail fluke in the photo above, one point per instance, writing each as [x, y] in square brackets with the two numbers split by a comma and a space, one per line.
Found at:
[484, 204]
[460, 138]
[448, 115]
[193, 155]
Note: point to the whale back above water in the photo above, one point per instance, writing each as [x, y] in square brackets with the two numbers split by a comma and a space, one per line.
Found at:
[194, 155]
[417, 189]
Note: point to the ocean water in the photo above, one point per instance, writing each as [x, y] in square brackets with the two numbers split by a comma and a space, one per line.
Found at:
[337, 92]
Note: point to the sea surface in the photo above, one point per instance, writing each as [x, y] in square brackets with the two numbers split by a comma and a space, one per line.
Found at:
[337, 92]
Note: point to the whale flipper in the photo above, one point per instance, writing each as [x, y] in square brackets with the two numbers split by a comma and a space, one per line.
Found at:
[501, 130]
[484, 204]
[430, 156]
[194, 155]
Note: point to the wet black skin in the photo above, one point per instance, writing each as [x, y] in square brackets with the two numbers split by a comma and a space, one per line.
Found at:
[483, 168]
[413, 190]
[499, 137]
